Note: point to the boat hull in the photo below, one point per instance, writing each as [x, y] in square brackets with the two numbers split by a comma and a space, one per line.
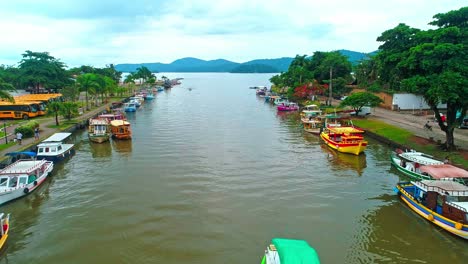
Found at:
[351, 148]
[286, 108]
[431, 216]
[19, 192]
[99, 139]
[408, 171]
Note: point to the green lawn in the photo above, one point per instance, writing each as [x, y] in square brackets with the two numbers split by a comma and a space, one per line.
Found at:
[5, 146]
[403, 137]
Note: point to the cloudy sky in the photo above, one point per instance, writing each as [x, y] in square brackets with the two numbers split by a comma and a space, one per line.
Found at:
[99, 32]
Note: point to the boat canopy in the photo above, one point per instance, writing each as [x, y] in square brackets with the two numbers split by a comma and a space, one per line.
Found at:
[27, 153]
[444, 171]
[420, 158]
[57, 137]
[119, 123]
[343, 130]
[451, 188]
[293, 251]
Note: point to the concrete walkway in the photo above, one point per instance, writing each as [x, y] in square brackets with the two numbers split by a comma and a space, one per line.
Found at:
[44, 131]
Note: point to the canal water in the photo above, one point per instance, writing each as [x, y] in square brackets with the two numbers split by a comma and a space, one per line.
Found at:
[211, 176]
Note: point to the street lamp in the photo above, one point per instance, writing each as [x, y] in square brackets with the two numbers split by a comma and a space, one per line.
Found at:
[4, 131]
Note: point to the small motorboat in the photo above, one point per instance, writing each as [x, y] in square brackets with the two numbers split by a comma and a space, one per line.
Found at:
[130, 107]
[290, 251]
[53, 148]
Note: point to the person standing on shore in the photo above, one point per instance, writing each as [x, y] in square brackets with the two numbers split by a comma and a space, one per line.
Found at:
[19, 137]
[36, 133]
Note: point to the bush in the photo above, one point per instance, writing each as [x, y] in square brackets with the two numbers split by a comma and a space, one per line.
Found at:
[28, 129]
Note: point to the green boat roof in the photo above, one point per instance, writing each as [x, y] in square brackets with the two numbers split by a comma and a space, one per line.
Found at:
[293, 251]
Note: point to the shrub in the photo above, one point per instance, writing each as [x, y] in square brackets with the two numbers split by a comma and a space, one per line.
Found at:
[25, 130]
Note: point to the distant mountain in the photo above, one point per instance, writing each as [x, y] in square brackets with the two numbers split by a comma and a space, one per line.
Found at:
[221, 65]
[254, 68]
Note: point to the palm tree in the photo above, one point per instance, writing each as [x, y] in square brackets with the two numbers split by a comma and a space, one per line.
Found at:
[87, 82]
[54, 108]
[4, 88]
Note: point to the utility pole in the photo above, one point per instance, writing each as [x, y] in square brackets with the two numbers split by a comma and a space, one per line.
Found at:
[330, 87]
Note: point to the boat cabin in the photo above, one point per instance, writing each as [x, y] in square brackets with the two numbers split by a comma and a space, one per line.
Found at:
[21, 173]
[54, 147]
[445, 197]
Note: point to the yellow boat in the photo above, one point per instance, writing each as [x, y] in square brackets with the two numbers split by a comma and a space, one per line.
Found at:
[345, 139]
[5, 224]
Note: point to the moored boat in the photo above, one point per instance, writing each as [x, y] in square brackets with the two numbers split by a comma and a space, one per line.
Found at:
[130, 107]
[345, 139]
[311, 110]
[313, 124]
[117, 115]
[98, 130]
[290, 251]
[53, 148]
[290, 106]
[420, 166]
[444, 203]
[22, 177]
[120, 129]
[5, 225]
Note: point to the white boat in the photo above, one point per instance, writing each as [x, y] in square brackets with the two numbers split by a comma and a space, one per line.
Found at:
[311, 110]
[23, 177]
[53, 148]
[98, 130]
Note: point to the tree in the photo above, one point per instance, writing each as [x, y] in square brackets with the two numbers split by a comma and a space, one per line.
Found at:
[87, 82]
[143, 73]
[54, 108]
[68, 110]
[433, 64]
[360, 99]
[4, 88]
[39, 69]
[71, 92]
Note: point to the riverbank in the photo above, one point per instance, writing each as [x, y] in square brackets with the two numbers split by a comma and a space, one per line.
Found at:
[47, 128]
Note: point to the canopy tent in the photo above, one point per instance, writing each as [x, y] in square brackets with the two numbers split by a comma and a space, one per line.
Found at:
[441, 171]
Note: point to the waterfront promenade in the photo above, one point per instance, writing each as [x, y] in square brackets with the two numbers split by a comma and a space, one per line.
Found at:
[45, 130]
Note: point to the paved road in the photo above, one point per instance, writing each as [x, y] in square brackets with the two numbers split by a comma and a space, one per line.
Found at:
[415, 124]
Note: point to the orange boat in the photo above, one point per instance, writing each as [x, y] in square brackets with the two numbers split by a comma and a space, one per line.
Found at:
[120, 129]
[345, 139]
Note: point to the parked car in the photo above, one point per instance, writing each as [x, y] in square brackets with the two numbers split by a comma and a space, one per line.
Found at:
[464, 123]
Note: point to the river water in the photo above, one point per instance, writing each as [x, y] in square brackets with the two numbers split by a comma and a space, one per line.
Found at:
[211, 176]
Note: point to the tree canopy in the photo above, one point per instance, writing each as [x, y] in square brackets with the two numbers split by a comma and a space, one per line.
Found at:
[360, 99]
[432, 63]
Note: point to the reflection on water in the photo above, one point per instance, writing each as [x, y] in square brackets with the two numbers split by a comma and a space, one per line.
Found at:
[392, 233]
[344, 160]
[122, 146]
[211, 176]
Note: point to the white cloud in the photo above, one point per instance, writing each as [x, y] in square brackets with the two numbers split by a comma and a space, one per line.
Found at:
[162, 31]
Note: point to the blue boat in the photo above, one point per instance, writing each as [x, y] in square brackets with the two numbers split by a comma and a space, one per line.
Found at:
[53, 148]
[160, 89]
[149, 96]
[130, 107]
[441, 202]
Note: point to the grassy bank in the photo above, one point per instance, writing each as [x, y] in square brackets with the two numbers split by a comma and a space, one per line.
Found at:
[406, 138]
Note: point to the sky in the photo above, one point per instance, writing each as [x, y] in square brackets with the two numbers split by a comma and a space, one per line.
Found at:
[100, 32]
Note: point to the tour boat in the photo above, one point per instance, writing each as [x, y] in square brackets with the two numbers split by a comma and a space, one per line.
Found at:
[311, 110]
[120, 129]
[444, 203]
[288, 107]
[5, 225]
[345, 139]
[53, 148]
[420, 166]
[98, 130]
[290, 251]
[22, 177]
[313, 124]
[117, 115]
[130, 107]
